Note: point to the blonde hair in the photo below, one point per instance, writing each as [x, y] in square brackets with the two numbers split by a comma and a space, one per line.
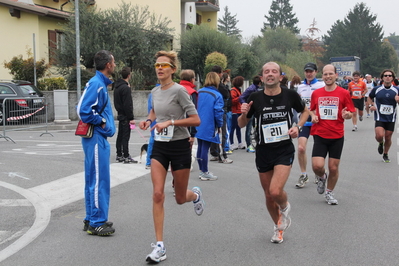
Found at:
[172, 55]
[212, 79]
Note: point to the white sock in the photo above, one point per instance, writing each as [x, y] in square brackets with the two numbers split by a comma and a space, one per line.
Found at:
[160, 243]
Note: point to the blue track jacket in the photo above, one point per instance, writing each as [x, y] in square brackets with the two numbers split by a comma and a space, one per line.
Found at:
[94, 97]
[210, 110]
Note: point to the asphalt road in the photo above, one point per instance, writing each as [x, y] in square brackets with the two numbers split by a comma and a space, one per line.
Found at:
[42, 208]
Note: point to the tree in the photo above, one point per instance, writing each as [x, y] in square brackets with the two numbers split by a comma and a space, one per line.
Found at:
[131, 33]
[281, 16]
[298, 59]
[357, 35]
[394, 40]
[312, 43]
[200, 41]
[228, 24]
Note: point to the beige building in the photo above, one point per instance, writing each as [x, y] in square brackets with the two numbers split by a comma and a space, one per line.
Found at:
[29, 23]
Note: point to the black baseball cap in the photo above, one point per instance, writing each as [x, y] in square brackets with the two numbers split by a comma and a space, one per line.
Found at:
[310, 66]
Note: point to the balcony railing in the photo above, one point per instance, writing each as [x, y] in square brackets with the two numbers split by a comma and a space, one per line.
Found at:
[207, 6]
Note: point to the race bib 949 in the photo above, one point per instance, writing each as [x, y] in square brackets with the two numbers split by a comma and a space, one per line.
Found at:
[165, 135]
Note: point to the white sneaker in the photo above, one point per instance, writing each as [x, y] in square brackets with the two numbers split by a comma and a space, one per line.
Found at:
[303, 179]
[226, 160]
[278, 235]
[214, 158]
[208, 176]
[330, 198]
[241, 146]
[157, 255]
[199, 204]
[284, 220]
[354, 128]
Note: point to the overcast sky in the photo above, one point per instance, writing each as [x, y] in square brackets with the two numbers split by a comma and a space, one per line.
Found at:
[250, 13]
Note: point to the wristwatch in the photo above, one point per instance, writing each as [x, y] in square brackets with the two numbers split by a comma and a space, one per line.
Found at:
[103, 121]
[299, 128]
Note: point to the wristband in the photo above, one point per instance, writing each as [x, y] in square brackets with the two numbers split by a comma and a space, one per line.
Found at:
[173, 122]
[148, 120]
[370, 105]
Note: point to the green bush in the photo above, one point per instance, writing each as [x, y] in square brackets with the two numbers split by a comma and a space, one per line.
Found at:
[23, 69]
[50, 84]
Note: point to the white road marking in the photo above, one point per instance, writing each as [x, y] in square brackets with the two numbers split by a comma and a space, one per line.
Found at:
[15, 203]
[61, 192]
[14, 174]
[5, 238]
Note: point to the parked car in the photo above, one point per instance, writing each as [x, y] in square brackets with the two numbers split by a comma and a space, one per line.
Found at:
[27, 101]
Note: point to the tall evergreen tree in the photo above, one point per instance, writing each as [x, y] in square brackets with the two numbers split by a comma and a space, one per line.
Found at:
[228, 24]
[281, 15]
[358, 35]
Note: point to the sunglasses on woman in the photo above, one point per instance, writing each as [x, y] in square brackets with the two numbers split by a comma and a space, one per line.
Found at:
[163, 65]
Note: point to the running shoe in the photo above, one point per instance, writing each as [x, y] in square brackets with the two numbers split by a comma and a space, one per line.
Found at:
[148, 167]
[321, 185]
[385, 158]
[214, 158]
[208, 176]
[226, 160]
[120, 159]
[284, 220]
[251, 148]
[86, 224]
[199, 204]
[102, 230]
[354, 128]
[381, 147]
[229, 152]
[316, 179]
[278, 235]
[360, 118]
[368, 115]
[200, 174]
[330, 198]
[158, 254]
[303, 179]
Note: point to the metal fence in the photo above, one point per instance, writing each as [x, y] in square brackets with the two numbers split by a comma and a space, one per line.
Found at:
[23, 113]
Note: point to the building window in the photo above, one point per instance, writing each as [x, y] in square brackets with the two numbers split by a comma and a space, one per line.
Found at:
[55, 42]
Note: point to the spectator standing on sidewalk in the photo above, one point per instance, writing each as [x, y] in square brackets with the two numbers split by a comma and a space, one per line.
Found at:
[96, 149]
[124, 106]
[210, 111]
[218, 154]
[187, 79]
[236, 111]
[254, 87]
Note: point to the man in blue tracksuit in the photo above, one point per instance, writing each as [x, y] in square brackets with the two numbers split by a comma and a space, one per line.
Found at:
[95, 108]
